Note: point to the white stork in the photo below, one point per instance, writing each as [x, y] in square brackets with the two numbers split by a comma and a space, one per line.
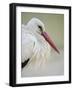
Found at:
[36, 47]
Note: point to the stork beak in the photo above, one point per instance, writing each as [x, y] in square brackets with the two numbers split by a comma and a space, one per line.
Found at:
[49, 40]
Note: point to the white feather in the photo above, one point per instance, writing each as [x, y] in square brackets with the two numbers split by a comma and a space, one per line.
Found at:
[34, 47]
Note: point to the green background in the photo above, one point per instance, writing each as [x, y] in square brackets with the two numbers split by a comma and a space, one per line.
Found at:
[54, 24]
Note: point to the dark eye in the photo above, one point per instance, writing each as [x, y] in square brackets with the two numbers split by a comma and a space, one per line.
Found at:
[40, 28]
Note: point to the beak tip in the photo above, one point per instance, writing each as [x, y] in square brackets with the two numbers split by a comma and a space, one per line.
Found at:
[58, 52]
[48, 39]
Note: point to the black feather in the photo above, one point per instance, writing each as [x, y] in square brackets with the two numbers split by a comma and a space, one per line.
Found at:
[24, 63]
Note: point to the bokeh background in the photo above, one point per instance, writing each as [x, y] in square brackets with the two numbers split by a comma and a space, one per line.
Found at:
[54, 25]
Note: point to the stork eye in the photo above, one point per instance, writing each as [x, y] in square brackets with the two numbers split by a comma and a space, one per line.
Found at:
[40, 28]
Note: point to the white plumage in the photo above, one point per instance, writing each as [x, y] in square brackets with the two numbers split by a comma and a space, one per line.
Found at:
[35, 48]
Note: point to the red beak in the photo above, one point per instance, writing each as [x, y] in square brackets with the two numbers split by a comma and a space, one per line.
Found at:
[49, 40]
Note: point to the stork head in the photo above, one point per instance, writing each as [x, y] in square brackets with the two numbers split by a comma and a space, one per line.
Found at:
[37, 26]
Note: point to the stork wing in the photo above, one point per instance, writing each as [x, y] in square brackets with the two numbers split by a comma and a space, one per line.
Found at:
[27, 46]
[28, 42]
